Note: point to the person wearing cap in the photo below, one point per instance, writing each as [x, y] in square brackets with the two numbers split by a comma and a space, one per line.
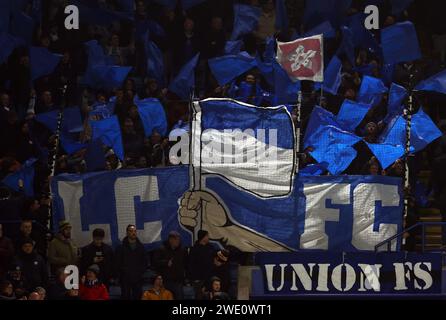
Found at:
[62, 251]
[33, 266]
[200, 264]
[91, 288]
[100, 253]
[158, 291]
[170, 261]
[221, 269]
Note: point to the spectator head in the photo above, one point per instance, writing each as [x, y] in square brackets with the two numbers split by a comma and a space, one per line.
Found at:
[98, 236]
[93, 272]
[188, 25]
[26, 227]
[215, 284]
[221, 257]
[267, 6]
[4, 100]
[114, 40]
[24, 128]
[128, 126]
[217, 23]
[203, 237]
[66, 57]
[119, 93]
[34, 296]
[140, 7]
[6, 288]
[250, 79]
[157, 281]
[174, 239]
[42, 292]
[24, 60]
[371, 128]
[133, 112]
[65, 229]
[373, 169]
[131, 232]
[101, 98]
[45, 41]
[155, 138]
[47, 98]
[151, 86]
[142, 162]
[27, 245]
[350, 94]
[61, 275]
[129, 84]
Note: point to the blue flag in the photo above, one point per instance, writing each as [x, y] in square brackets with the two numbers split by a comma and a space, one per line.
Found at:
[333, 148]
[185, 79]
[26, 174]
[270, 50]
[285, 90]
[187, 4]
[332, 76]
[347, 47]
[386, 154]
[317, 11]
[397, 94]
[43, 62]
[155, 62]
[436, 83]
[387, 73]
[227, 68]
[319, 117]
[371, 90]
[152, 116]
[423, 132]
[281, 15]
[351, 114]
[72, 124]
[94, 156]
[109, 132]
[398, 6]
[233, 47]
[106, 77]
[245, 20]
[8, 43]
[399, 43]
[324, 28]
[360, 35]
[22, 26]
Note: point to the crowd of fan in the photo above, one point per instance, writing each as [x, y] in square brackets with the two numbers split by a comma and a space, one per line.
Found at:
[26, 259]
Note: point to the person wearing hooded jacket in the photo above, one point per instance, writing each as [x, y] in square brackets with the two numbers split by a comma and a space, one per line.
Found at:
[131, 263]
[62, 251]
[91, 288]
[32, 265]
[170, 262]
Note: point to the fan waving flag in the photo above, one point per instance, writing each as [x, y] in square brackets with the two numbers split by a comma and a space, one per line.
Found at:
[249, 146]
[303, 58]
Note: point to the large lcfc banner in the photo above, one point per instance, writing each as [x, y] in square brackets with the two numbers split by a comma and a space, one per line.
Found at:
[345, 213]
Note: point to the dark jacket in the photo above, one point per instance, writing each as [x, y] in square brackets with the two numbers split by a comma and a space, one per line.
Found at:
[91, 251]
[130, 264]
[6, 254]
[57, 291]
[161, 259]
[33, 268]
[201, 262]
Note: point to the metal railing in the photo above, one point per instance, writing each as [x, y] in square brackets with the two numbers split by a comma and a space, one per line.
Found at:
[423, 225]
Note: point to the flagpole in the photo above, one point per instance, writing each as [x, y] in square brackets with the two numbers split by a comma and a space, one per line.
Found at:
[52, 164]
[195, 172]
[297, 132]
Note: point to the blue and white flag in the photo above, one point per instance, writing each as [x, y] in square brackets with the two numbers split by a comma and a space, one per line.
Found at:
[251, 147]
